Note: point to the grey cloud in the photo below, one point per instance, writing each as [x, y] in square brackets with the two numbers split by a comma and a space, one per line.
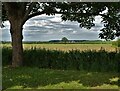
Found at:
[44, 28]
[33, 28]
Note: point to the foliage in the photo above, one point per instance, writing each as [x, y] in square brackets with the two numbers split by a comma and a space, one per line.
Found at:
[64, 39]
[116, 43]
[111, 24]
[35, 78]
[101, 61]
[82, 12]
[86, 13]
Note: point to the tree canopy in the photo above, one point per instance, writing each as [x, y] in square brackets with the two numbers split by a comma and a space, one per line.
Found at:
[84, 13]
[64, 39]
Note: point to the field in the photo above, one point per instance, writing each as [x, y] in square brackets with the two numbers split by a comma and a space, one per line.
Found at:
[66, 47]
[63, 66]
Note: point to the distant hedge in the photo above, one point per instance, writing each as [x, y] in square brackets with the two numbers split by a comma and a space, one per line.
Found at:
[116, 43]
[52, 42]
[100, 61]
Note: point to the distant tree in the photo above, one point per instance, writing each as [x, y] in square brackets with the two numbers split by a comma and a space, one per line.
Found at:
[64, 39]
[118, 41]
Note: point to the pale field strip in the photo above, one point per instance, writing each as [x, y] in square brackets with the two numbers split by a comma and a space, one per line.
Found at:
[67, 47]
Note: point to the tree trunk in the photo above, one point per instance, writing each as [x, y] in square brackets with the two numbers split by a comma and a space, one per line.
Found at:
[17, 16]
[17, 48]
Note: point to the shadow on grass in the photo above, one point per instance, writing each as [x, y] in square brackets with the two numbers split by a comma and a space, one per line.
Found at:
[34, 77]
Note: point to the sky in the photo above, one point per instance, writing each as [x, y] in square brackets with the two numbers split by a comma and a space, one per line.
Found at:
[45, 28]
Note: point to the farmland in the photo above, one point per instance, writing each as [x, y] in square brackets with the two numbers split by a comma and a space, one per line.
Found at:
[67, 47]
[62, 66]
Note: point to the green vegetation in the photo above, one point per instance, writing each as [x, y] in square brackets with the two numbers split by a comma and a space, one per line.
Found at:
[65, 40]
[50, 42]
[47, 66]
[116, 43]
[100, 61]
[35, 78]
[92, 61]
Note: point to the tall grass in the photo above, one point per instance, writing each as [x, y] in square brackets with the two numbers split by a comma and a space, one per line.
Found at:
[100, 61]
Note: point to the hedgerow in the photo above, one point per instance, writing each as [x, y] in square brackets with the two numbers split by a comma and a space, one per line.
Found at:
[100, 61]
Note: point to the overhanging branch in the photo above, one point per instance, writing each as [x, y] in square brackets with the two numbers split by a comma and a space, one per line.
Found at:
[28, 11]
[73, 13]
[57, 12]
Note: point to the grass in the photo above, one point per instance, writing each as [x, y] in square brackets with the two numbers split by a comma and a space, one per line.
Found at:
[35, 78]
[41, 78]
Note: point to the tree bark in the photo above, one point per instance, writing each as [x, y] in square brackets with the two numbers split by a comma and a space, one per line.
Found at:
[15, 14]
[17, 48]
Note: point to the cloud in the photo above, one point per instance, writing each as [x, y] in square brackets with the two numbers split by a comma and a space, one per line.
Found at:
[98, 19]
[41, 28]
[74, 32]
[69, 29]
[55, 20]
